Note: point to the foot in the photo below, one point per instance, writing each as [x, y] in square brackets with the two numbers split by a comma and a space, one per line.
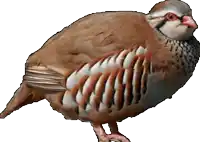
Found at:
[115, 134]
[112, 137]
[117, 138]
[100, 133]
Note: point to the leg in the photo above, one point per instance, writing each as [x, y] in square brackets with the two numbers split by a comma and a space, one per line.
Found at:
[113, 127]
[100, 132]
[115, 134]
[22, 97]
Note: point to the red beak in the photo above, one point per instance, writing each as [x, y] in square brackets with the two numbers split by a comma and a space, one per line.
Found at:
[189, 21]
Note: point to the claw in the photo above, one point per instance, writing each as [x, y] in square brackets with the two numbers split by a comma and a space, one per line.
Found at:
[115, 134]
[117, 138]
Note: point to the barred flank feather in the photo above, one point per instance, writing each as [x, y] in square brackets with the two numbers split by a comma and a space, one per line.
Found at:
[112, 89]
[124, 58]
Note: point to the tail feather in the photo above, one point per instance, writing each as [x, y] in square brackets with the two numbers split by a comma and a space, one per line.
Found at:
[17, 101]
[37, 79]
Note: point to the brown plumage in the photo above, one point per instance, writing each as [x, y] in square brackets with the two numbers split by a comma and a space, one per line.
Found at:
[108, 66]
[94, 36]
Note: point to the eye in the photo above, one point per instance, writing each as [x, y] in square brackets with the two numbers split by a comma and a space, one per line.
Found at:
[171, 16]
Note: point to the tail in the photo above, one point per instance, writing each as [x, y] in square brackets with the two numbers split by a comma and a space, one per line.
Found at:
[36, 77]
[19, 99]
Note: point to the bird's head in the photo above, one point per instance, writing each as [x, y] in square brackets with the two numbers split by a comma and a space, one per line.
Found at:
[173, 18]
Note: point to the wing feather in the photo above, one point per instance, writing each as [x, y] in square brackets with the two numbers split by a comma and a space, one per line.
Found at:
[44, 78]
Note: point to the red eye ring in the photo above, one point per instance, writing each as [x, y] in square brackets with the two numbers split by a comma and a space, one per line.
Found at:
[171, 16]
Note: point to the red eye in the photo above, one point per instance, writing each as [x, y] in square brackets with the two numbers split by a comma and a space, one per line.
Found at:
[171, 16]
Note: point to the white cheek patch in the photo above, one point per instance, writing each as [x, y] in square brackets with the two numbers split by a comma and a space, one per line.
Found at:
[174, 29]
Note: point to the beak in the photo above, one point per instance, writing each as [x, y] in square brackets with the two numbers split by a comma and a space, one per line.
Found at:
[189, 21]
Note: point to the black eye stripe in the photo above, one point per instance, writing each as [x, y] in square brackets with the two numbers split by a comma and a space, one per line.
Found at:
[161, 24]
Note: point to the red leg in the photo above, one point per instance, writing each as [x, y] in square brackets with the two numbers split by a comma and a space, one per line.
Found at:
[115, 134]
[100, 132]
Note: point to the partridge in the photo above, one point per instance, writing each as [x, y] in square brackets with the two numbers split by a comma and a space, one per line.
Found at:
[108, 66]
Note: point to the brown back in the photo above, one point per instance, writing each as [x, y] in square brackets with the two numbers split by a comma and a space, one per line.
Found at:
[96, 35]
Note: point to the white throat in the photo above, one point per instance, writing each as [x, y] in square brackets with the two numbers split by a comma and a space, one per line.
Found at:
[175, 30]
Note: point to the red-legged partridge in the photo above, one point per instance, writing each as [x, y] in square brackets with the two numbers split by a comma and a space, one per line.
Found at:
[108, 66]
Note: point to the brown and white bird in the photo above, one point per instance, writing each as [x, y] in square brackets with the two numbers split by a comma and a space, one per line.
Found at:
[108, 66]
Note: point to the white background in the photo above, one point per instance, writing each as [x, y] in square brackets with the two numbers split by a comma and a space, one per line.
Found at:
[26, 25]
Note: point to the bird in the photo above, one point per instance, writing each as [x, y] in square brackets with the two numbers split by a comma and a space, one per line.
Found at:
[108, 66]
